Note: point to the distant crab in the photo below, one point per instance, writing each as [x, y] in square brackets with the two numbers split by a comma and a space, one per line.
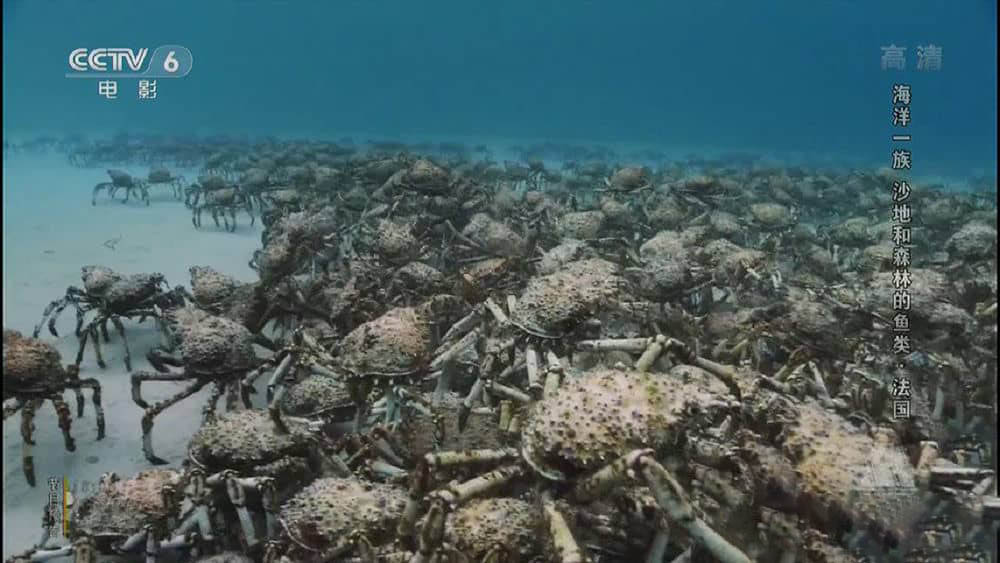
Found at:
[221, 198]
[32, 374]
[162, 176]
[122, 180]
[114, 296]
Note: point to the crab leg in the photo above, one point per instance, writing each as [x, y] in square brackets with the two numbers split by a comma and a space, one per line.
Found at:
[104, 330]
[462, 327]
[276, 377]
[51, 312]
[79, 400]
[562, 537]
[120, 328]
[97, 345]
[27, 428]
[274, 410]
[427, 465]
[232, 395]
[634, 345]
[673, 500]
[495, 310]
[553, 374]
[531, 361]
[509, 392]
[208, 411]
[450, 353]
[151, 412]
[65, 420]
[457, 494]
[658, 548]
[95, 397]
[432, 532]
[269, 500]
[237, 496]
[45, 555]
[140, 376]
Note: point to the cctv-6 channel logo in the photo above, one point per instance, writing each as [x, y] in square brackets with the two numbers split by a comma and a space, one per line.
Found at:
[167, 61]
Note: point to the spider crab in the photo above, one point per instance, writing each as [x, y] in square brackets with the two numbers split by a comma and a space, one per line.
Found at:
[121, 181]
[390, 350]
[32, 374]
[250, 464]
[141, 514]
[220, 198]
[209, 350]
[162, 176]
[113, 296]
[589, 436]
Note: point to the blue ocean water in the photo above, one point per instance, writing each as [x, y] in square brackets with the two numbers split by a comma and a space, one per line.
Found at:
[771, 77]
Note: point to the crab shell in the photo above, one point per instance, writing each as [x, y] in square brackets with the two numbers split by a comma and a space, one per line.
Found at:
[630, 178]
[479, 525]
[496, 237]
[595, 418]
[316, 395]
[418, 430]
[422, 176]
[120, 178]
[551, 302]
[835, 463]
[217, 345]
[131, 290]
[394, 241]
[330, 509]
[243, 440]
[121, 508]
[158, 175]
[28, 362]
[395, 342]
[210, 286]
[97, 279]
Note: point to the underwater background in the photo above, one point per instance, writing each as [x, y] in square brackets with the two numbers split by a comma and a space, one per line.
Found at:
[765, 76]
[651, 81]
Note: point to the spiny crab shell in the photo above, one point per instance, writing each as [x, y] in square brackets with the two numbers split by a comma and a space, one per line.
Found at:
[550, 302]
[629, 178]
[394, 241]
[128, 291]
[417, 430]
[28, 362]
[210, 286]
[835, 462]
[603, 414]
[331, 509]
[398, 342]
[210, 344]
[247, 441]
[121, 508]
[479, 525]
[97, 279]
[316, 395]
[422, 176]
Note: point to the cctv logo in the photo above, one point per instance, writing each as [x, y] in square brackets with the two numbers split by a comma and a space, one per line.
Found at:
[166, 61]
[82, 59]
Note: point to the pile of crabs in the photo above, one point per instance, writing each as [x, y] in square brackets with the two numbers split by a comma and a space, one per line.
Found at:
[467, 362]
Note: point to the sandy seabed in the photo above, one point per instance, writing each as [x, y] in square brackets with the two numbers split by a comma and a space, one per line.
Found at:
[50, 230]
